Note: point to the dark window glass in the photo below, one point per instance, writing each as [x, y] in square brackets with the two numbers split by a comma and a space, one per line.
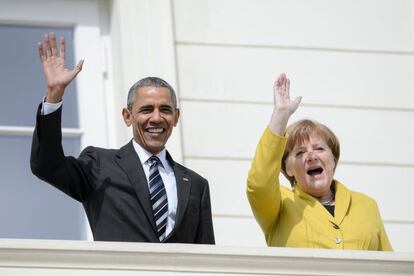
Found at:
[30, 208]
[21, 80]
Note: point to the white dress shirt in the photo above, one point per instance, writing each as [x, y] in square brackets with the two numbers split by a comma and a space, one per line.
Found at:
[48, 108]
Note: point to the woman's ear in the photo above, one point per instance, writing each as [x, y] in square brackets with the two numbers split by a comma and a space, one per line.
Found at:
[289, 165]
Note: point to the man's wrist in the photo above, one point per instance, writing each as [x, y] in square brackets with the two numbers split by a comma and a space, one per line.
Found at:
[48, 107]
[51, 99]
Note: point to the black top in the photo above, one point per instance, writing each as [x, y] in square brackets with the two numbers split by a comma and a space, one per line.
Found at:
[331, 209]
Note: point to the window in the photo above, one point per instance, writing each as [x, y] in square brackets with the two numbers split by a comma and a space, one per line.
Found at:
[30, 208]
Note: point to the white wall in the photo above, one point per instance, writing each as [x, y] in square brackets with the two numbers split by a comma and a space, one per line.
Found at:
[352, 61]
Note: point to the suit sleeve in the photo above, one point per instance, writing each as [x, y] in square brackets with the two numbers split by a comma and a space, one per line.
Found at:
[48, 162]
[205, 232]
[263, 188]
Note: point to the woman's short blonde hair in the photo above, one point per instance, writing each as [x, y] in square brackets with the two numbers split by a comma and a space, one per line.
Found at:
[300, 132]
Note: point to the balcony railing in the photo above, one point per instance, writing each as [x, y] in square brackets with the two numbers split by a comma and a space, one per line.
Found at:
[53, 257]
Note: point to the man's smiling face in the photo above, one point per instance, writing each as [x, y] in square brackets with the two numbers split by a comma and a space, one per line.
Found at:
[152, 116]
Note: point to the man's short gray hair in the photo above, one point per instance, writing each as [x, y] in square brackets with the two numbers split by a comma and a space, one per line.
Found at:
[149, 82]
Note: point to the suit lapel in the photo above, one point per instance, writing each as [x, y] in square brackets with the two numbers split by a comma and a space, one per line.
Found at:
[129, 161]
[313, 207]
[342, 202]
[183, 181]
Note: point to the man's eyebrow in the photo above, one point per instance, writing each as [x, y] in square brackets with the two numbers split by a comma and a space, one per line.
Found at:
[167, 106]
[146, 106]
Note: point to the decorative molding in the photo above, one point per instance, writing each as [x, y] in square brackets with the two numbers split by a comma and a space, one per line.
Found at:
[312, 105]
[28, 131]
[294, 47]
[117, 258]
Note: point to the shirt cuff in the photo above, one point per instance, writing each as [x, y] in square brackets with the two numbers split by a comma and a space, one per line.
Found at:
[48, 108]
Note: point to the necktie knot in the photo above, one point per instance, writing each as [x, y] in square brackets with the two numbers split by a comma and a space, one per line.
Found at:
[154, 161]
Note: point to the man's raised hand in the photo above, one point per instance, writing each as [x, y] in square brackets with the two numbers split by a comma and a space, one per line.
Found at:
[57, 75]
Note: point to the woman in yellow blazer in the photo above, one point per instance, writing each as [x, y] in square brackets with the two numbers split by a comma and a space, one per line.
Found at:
[319, 212]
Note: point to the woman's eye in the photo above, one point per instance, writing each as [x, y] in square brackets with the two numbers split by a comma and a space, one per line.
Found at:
[299, 153]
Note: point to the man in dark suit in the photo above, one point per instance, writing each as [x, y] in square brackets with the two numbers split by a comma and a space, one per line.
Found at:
[136, 193]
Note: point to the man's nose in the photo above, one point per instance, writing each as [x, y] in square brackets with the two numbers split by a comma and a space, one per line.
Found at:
[156, 116]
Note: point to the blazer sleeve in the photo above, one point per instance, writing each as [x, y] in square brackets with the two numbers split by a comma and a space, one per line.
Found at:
[205, 231]
[384, 244]
[48, 162]
[263, 187]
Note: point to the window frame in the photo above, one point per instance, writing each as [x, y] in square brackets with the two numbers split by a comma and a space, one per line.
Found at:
[83, 17]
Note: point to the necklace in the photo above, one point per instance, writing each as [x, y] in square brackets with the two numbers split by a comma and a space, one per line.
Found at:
[329, 202]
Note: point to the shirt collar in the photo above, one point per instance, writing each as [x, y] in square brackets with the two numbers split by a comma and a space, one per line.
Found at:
[144, 155]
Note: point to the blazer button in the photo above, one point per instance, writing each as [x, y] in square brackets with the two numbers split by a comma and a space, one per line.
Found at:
[338, 240]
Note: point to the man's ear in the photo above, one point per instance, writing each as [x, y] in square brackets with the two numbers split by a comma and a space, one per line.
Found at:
[177, 116]
[127, 116]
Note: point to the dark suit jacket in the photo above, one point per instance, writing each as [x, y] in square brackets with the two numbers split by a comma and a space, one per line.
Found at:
[113, 189]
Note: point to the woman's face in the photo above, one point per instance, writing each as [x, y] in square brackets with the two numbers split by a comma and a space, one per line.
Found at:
[313, 165]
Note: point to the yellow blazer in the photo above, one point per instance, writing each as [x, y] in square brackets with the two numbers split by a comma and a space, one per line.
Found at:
[292, 218]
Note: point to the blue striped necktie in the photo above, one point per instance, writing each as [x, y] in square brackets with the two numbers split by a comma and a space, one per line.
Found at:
[158, 197]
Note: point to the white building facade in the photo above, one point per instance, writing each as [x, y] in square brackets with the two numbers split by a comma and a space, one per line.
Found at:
[352, 61]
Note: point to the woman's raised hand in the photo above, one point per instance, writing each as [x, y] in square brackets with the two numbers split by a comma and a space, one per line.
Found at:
[284, 106]
[281, 94]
